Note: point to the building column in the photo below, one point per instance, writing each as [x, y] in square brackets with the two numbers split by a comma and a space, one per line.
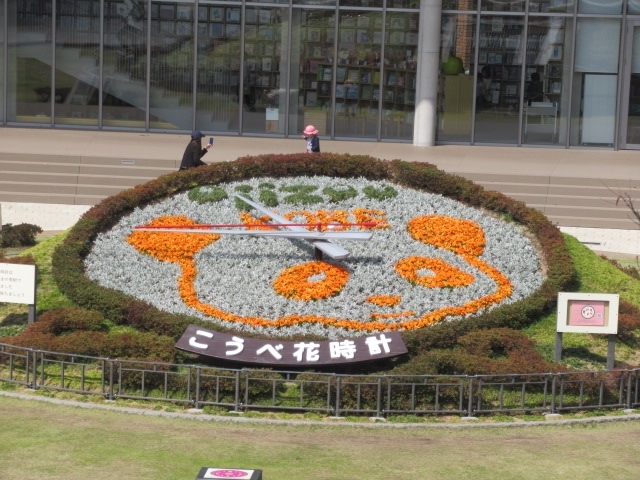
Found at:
[425, 119]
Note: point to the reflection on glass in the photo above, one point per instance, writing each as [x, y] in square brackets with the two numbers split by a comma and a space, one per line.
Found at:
[326, 3]
[2, 32]
[29, 90]
[77, 85]
[467, 5]
[546, 102]
[633, 113]
[595, 80]
[264, 92]
[633, 7]
[633, 118]
[312, 51]
[358, 75]
[399, 75]
[558, 6]
[218, 67]
[171, 92]
[610, 7]
[125, 67]
[502, 5]
[498, 79]
[455, 96]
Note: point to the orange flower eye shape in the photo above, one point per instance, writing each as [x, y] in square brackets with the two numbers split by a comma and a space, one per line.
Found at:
[442, 274]
[167, 246]
[384, 300]
[311, 281]
[463, 237]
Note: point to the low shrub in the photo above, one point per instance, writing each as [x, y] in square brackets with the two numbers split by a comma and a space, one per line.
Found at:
[628, 320]
[59, 321]
[22, 235]
[493, 352]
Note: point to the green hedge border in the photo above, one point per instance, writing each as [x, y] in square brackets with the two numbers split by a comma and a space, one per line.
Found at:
[68, 258]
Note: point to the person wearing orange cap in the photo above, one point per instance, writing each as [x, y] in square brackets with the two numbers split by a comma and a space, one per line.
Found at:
[310, 134]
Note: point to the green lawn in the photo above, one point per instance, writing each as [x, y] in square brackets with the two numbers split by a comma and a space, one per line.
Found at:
[57, 442]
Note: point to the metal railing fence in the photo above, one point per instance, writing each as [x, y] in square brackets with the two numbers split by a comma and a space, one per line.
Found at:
[332, 394]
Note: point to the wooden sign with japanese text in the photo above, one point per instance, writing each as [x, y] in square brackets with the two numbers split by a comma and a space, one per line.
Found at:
[277, 353]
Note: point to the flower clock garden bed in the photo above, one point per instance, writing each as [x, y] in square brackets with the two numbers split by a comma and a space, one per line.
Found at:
[430, 259]
[444, 258]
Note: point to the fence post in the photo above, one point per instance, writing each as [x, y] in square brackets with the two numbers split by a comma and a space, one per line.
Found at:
[337, 409]
[196, 403]
[553, 393]
[35, 370]
[110, 395]
[237, 399]
[379, 400]
[470, 406]
[27, 368]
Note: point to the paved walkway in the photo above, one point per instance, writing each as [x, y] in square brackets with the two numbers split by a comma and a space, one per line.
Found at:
[620, 166]
[601, 240]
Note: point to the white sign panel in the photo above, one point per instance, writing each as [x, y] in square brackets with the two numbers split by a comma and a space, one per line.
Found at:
[17, 283]
[588, 312]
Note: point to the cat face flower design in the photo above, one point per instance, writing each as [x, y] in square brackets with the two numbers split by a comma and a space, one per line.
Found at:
[430, 259]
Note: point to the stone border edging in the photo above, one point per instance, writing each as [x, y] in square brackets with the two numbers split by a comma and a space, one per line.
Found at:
[337, 422]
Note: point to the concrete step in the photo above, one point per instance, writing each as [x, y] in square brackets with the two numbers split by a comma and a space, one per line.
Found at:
[118, 181]
[66, 186]
[48, 198]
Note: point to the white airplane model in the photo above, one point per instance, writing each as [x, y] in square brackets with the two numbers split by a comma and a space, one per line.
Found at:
[321, 240]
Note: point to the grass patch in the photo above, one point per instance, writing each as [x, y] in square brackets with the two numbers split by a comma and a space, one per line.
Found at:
[589, 352]
[72, 444]
[14, 316]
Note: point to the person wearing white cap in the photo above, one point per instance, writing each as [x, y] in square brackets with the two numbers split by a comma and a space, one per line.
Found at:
[194, 152]
[310, 134]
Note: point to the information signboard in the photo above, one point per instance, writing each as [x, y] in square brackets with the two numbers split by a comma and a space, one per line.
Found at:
[17, 283]
[587, 312]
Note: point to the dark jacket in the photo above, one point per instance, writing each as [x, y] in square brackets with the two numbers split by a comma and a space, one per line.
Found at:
[314, 143]
[192, 155]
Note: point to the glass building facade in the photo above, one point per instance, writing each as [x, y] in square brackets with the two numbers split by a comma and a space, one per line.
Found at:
[559, 73]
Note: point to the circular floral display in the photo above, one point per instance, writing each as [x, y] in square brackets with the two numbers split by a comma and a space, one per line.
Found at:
[429, 258]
